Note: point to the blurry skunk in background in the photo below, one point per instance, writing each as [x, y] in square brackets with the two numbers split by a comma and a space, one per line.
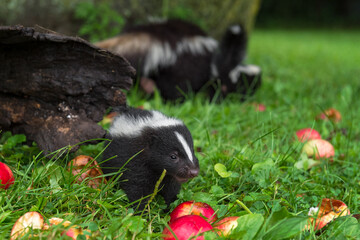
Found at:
[178, 57]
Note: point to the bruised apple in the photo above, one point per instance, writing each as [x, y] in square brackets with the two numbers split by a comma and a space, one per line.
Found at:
[72, 232]
[318, 148]
[33, 220]
[6, 176]
[330, 114]
[187, 226]
[226, 225]
[328, 210]
[194, 208]
[57, 221]
[85, 168]
[306, 134]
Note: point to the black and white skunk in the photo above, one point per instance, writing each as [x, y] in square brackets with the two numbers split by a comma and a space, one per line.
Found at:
[156, 142]
[178, 57]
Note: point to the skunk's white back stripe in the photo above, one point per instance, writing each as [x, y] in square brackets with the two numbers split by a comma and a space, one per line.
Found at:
[185, 145]
[126, 125]
[162, 54]
[138, 43]
[196, 45]
[159, 54]
[247, 69]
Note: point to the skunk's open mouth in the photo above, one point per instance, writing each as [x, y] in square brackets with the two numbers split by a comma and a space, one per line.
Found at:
[181, 179]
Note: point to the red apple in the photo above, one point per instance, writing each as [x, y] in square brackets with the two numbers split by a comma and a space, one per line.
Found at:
[328, 210]
[331, 114]
[91, 174]
[193, 208]
[74, 233]
[29, 220]
[187, 226]
[319, 148]
[259, 107]
[226, 225]
[306, 134]
[6, 176]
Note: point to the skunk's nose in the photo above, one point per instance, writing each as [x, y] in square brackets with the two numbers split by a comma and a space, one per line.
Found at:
[193, 172]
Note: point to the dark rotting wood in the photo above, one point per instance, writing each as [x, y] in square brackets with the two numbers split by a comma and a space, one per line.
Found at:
[55, 88]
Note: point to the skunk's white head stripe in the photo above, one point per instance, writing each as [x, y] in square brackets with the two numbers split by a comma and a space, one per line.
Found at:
[185, 145]
[251, 70]
[126, 125]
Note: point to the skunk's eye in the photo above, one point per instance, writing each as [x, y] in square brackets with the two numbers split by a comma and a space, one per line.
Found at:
[173, 156]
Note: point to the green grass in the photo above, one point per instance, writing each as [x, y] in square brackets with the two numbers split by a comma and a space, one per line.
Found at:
[304, 72]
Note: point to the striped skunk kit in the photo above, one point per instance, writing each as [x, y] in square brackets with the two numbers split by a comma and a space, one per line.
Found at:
[178, 57]
[145, 143]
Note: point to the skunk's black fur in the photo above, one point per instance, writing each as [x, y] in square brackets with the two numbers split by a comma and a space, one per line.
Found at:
[160, 142]
[179, 55]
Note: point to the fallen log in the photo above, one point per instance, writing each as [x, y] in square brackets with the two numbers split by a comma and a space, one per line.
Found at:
[55, 88]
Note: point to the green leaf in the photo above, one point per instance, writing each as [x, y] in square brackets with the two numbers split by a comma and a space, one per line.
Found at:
[265, 165]
[13, 141]
[276, 216]
[248, 226]
[265, 172]
[135, 224]
[221, 170]
[204, 197]
[93, 226]
[344, 228]
[287, 228]
[253, 196]
[306, 163]
[216, 190]
[209, 235]
[281, 224]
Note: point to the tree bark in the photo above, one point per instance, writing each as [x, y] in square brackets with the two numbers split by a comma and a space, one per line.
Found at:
[55, 88]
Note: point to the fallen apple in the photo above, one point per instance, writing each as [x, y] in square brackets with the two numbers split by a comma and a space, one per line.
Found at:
[330, 114]
[193, 208]
[307, 134]
[187, 226]
[318, 148]
[56, 221]
[33, 220]
[328, 210]
[226, 225]
[6, 176]
[73, 231]
[92, 174]
[259, 107]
